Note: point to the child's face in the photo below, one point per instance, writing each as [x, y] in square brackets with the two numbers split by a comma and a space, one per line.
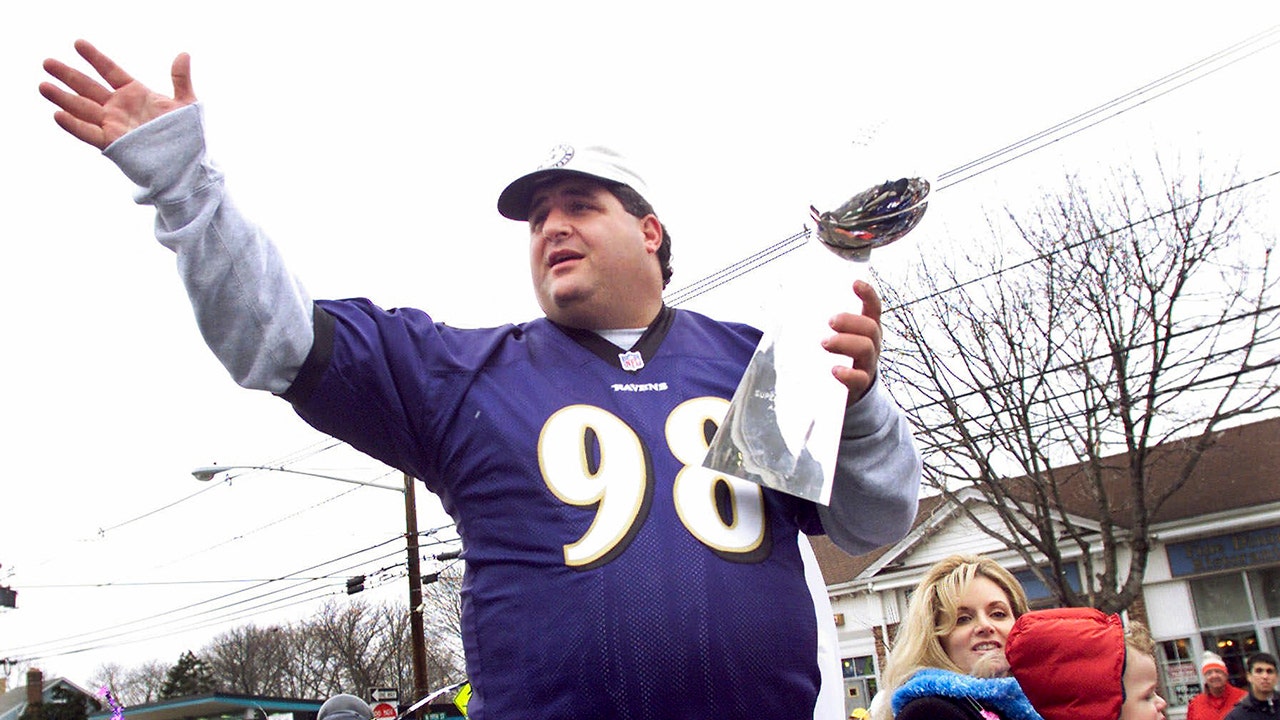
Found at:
[1141, 702]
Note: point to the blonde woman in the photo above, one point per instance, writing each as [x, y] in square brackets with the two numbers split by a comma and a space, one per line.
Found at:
[955, 628]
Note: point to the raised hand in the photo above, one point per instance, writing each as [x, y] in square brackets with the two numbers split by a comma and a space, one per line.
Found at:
[100, 115]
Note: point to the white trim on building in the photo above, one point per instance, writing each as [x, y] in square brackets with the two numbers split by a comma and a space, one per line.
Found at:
[869, 606]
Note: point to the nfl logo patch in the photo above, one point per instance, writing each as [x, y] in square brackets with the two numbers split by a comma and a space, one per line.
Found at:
[559, 157]
[631, 361]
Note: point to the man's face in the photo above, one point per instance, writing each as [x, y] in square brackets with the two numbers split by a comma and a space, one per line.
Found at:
[1215, 680]
[1262, 680]
[593, 264]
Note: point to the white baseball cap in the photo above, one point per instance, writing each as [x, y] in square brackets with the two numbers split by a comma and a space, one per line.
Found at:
[594, 161]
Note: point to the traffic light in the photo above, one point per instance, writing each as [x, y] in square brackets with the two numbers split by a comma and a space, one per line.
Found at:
[355, 584]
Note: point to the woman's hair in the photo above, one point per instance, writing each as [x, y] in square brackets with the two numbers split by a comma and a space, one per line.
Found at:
[931, 616]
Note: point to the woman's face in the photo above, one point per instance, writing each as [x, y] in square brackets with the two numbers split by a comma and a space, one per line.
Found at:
[983, 620]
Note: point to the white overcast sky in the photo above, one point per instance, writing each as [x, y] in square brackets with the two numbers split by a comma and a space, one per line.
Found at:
[371, 141]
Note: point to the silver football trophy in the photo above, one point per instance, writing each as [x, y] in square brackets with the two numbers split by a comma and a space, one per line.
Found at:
[782, 429]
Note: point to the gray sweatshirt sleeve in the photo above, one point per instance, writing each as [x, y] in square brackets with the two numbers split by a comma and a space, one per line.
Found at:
[877, 476]
[251, 311]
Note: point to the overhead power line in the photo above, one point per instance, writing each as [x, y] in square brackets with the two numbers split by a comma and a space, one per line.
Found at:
[737, 269]
[1084, 241]
[235, 609]
[991, 413]
[990, 434]
[151, 618]
[1072, 364]
[162, 583]
[1123, 103]
[301, 598]
[309, 451]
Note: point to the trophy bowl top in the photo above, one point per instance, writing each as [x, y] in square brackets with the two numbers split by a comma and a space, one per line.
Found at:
[873, 218]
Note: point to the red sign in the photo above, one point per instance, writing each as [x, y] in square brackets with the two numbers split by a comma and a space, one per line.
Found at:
[384, 710]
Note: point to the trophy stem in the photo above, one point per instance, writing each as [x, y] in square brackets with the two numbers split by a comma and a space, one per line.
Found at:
[782, 429]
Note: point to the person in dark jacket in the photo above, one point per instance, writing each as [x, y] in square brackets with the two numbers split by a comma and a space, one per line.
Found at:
[1260, 703]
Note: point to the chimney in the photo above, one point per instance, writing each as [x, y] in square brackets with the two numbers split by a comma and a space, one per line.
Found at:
[35, 687]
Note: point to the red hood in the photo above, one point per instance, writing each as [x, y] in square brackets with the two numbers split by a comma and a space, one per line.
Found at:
[1069, 662]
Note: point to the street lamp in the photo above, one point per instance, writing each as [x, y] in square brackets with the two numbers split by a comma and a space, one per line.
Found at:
[206, 474]
[416, 627]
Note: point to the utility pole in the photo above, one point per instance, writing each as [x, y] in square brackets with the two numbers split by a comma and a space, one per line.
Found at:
[416, 627]
[356, 584]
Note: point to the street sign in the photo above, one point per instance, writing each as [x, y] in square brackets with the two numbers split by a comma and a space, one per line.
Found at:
[384, 694]
[384, 710]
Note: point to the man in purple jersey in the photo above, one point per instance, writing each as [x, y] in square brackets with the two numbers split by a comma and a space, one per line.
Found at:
[608, 573]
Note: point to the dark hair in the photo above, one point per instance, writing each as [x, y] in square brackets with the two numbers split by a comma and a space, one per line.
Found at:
[1261, 657]
[636, 205]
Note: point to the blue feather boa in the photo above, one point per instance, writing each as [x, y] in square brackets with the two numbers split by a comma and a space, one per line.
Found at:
[1002, 694]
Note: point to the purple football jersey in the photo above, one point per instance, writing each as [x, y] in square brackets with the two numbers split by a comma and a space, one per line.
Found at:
[608, 575]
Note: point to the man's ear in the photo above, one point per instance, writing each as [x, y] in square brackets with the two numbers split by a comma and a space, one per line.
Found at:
[652, 230]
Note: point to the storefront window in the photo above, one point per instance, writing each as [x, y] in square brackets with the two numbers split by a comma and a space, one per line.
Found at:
[1039, 595]
[1235, 645]
[1238, 614]
[859, 666]
[1265, 585]
[859, 682]
[1221, 600]
[1181, 679]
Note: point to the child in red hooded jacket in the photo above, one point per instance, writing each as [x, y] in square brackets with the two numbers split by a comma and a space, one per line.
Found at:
[1079, 664]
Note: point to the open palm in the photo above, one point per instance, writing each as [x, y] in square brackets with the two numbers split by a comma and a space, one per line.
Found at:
[100, 115]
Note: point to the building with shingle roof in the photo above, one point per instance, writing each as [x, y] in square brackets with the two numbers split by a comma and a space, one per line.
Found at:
[1212, 580]
[46, 690]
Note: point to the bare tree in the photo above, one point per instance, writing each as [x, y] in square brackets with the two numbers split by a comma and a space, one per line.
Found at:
[1139, 320]
[346, 646]
[110, 675]
[249, 660]
[348, 634]
[339, 649]
[307, 671]
[131, 686]
[442, 616]
[144, 682]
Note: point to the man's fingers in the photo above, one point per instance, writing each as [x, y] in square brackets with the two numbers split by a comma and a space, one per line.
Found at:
[859, 347]
[871, 305]
[81, 130]
[77, 81]
[181, 73]
[77, 106]
[856, 380]
[115, 76]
